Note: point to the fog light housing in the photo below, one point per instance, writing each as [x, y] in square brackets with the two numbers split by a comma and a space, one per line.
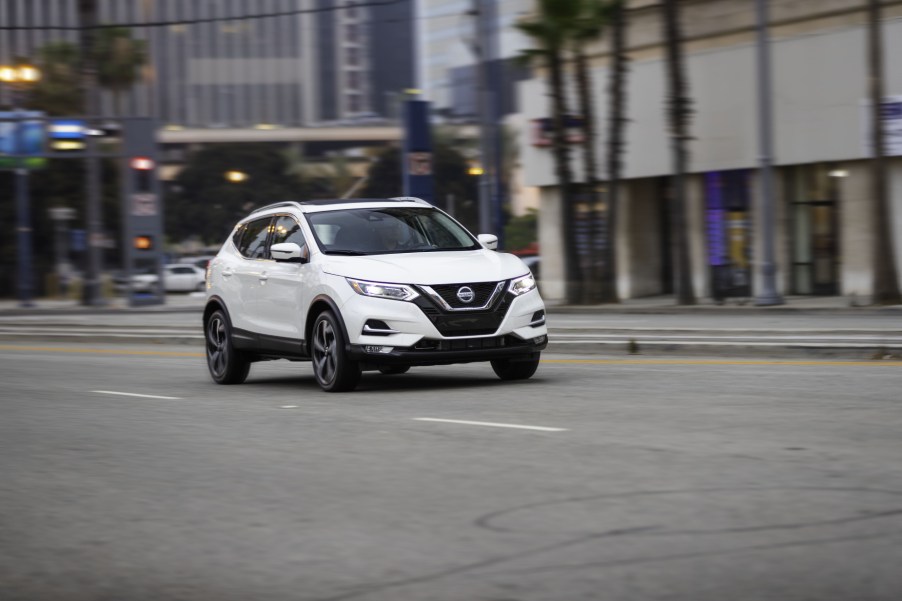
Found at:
[377, 350]
[540, 339]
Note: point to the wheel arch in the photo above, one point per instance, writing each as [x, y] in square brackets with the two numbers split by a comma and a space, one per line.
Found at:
[214, 303]
[323, 303]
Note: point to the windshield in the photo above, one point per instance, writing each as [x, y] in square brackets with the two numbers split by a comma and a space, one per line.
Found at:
[388, 230]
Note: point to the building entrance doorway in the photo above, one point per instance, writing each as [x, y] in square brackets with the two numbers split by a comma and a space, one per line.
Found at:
[814, 211]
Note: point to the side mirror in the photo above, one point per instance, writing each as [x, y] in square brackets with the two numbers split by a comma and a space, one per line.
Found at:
[490, 241]
[289, 252]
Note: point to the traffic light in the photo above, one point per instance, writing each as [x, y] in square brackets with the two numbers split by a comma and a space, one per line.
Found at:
[143, 242]
[143, 169]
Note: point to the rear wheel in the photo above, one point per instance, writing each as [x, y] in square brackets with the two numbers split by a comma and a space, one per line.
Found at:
[509, 369]
[393, 370]
[227, 365]
[334, 371]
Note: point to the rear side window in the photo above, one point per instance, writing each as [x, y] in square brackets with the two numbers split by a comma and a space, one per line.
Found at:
[251, 238]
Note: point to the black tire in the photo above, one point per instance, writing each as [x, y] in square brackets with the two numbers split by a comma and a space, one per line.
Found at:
[227, 365]
[334, 371]
[394, 370]
[508, 369]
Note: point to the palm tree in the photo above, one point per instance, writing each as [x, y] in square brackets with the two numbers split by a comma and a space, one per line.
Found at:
[60, 75]
[616, 123]
[120, 58]
[587, 28]
[550, 30]
[886, 282]
[678, 113]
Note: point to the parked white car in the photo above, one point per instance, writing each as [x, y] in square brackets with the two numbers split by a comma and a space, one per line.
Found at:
[368, 285]
[177, 277]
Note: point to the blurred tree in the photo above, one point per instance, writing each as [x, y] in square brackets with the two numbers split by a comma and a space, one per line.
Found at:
[587, 28]
[616, 122]
[523, 230]
[452, 179]
[550, 29]
[678, 112]
[57, 91]
[120, 58]
[203, 203]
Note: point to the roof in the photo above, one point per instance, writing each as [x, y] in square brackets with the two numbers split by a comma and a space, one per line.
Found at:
[307, 205]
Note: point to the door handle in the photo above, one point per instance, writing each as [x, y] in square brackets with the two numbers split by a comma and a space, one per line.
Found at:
[263, 277]
[227, 273]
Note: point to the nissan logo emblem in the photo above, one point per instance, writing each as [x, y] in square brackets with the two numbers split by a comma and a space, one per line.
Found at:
[466, 294]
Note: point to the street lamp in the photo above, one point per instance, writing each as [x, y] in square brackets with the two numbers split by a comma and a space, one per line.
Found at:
[236, 177]
[17, 78]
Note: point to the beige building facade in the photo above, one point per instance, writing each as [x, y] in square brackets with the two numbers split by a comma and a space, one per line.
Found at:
[824, 206]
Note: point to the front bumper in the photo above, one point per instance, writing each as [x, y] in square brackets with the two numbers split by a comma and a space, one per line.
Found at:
[446, 352]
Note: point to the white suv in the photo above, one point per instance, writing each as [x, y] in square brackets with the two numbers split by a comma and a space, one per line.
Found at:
[367, 285]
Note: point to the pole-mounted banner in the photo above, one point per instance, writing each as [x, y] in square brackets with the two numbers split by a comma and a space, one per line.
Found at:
[417, 163]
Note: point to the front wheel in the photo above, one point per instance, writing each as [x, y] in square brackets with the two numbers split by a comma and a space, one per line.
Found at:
[509, 369]
[227, 365]
[334, 371]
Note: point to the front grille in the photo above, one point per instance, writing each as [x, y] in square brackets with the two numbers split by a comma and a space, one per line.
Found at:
[482, 292]
[465, 323]
[464, 344]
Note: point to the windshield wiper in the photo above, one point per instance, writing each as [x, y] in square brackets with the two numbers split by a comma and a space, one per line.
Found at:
[350, 253]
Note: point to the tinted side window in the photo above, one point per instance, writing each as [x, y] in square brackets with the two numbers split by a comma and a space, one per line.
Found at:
[253, 240]
[288, 230]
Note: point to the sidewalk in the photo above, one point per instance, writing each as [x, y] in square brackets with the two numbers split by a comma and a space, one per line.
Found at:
[656, 305]
[804, 327]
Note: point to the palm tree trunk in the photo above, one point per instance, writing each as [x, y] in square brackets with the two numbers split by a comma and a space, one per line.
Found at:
[678, 116]
[616, 122]
[590, 286]
[886, 282]
[564, 174]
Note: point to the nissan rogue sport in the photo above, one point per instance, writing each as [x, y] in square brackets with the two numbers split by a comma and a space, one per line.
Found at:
[367, 285]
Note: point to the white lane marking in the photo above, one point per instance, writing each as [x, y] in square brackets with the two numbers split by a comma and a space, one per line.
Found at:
[143, 396]
[490, 424]
[289, 406]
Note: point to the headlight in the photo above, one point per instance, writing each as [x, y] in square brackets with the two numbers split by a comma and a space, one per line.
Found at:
[522, 285]
[379, 290]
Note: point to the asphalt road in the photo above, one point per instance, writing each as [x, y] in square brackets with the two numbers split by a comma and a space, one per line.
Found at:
[681, 479]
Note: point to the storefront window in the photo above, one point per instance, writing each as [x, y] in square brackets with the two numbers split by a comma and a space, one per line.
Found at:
[728, 223]
[813, 194]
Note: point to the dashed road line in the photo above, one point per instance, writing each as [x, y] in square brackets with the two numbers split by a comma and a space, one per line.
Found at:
[143, 396]
[489, 424]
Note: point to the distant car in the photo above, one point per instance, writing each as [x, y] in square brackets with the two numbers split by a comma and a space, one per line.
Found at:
[184, 277]
[177, 277]
[201, 261]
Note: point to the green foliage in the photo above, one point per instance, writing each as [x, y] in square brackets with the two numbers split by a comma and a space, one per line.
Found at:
[58, 91]
[203, 204]
[522, 231]
[451, 180]
[120, 58]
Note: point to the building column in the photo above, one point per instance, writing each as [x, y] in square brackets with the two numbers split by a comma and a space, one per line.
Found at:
[781, 233]
[856, 227]
[622, 240]
[551, 242]
[894, 173]
[695, 224]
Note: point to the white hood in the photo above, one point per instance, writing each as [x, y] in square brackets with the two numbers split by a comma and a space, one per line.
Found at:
[421, 268]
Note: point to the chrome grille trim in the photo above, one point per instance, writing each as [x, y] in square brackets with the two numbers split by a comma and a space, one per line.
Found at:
[438, 298]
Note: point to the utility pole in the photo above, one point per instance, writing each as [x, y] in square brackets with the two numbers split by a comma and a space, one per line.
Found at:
[483, 12]
[768, 295]
[87, 14]
[23, 215]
